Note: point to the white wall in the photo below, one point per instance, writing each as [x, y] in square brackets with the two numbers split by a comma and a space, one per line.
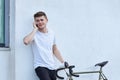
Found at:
[87, 32]
[4, 65]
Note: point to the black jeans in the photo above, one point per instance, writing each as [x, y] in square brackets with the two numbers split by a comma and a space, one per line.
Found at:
[45, 74]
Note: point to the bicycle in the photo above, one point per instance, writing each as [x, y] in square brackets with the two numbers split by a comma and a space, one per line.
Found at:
[71, 73]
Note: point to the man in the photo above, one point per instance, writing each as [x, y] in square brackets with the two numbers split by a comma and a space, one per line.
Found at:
[44, 48]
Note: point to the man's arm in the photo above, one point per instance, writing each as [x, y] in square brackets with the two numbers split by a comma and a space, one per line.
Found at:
[27, 39]
[56, 52]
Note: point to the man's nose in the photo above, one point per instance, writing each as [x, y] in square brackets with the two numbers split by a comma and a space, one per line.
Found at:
[40, 21]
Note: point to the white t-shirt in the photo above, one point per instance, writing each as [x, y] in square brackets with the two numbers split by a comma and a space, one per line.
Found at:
[42, 47]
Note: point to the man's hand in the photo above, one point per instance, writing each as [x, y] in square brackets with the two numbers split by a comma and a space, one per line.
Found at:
[27, 39]
[34, 25]
[64, 65]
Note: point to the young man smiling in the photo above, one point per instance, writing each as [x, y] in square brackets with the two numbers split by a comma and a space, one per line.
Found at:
[44, 47]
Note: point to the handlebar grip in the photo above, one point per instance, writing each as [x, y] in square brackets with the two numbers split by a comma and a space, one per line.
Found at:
[66, 64]
[75, 75]
[71, 71]
[57, 73]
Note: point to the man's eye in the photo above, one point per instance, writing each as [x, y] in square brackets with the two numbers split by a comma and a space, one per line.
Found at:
[41, 20]
[37, 20]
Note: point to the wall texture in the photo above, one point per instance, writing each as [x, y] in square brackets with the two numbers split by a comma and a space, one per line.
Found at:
[87, 32]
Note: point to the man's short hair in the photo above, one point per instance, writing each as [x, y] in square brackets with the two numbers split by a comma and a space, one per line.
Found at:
[39, 14]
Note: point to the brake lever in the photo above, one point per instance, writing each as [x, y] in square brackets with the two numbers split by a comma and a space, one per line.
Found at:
[71, 71]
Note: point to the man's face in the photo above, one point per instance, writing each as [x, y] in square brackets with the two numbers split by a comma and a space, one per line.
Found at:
[41, 22]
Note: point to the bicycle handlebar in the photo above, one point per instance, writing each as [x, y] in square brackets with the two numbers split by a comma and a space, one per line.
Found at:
[102, 64]
[57, 73]
[70, 71]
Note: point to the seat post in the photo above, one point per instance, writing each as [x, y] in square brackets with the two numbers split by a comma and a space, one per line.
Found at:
[100, 73]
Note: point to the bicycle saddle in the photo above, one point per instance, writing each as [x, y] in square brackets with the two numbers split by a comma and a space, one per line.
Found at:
[102, 64]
